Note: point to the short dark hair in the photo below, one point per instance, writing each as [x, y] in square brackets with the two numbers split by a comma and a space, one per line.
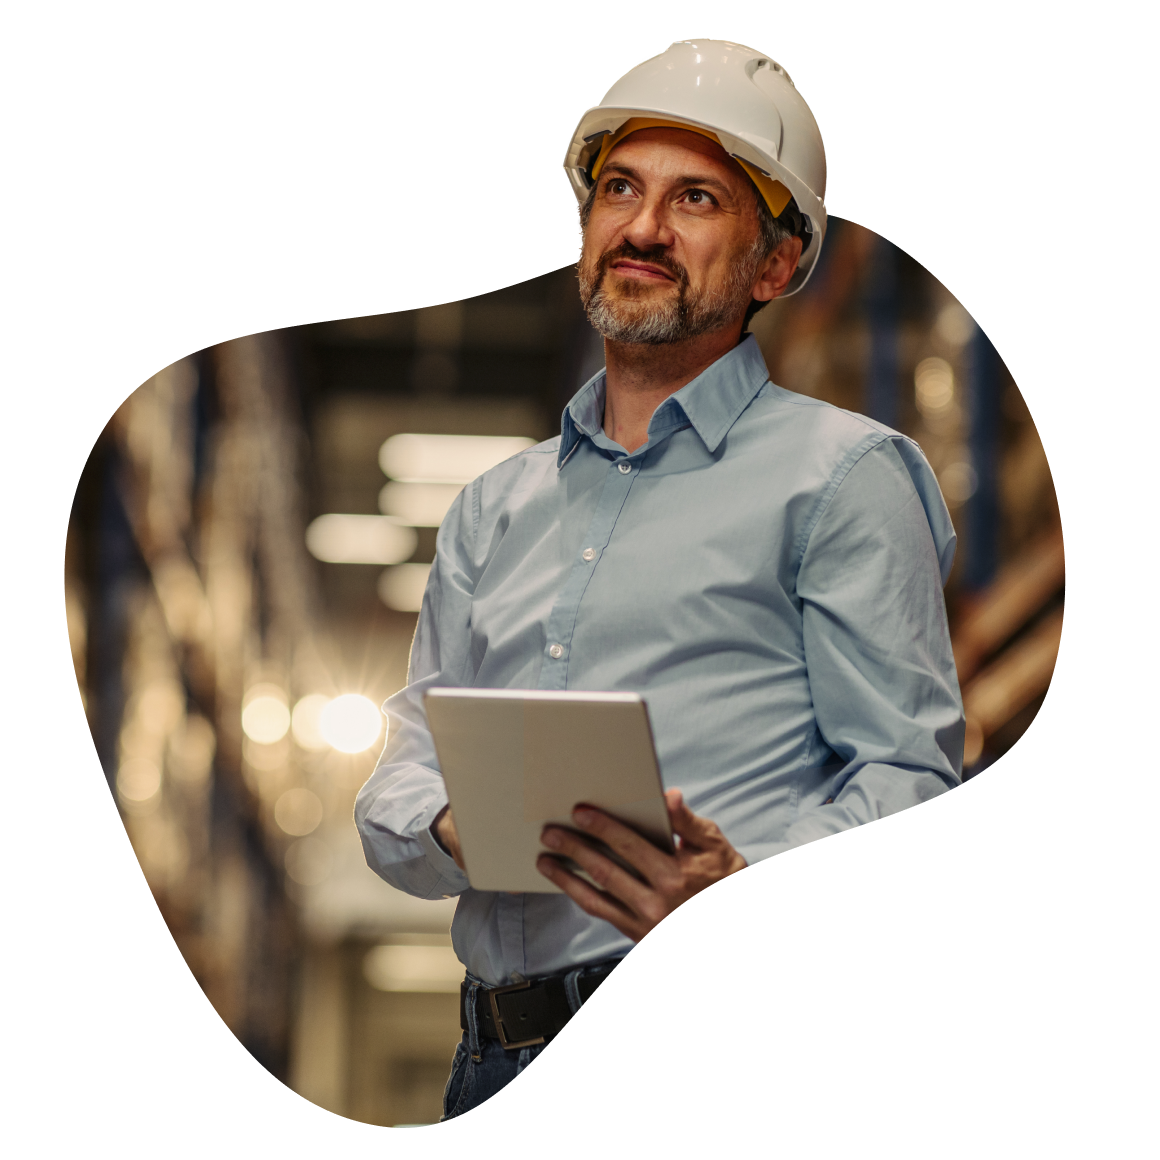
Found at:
[772, 231]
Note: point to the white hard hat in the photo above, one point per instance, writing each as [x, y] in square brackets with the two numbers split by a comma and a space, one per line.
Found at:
[739, 97]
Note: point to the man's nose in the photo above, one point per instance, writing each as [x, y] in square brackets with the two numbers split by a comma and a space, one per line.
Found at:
[649, 227]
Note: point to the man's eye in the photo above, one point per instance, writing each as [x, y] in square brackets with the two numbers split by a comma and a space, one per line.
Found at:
[698, 197]
[618, 186]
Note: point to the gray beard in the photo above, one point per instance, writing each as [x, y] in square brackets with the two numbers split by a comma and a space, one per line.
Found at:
[687, 314]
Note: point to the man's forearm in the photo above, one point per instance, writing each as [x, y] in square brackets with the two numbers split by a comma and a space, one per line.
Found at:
[444, 832]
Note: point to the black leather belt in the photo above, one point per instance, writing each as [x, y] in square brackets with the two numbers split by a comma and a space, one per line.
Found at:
[528, 1013]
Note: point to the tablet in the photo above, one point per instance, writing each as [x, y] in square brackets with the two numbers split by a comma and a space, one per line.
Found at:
[514, 760]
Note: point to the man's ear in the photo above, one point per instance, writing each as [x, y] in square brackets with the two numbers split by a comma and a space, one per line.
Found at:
[777, 270]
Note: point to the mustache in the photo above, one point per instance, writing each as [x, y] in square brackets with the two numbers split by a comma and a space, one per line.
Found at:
[655, 256]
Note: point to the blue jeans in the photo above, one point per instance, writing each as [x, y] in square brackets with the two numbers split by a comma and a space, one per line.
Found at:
[482, 1065]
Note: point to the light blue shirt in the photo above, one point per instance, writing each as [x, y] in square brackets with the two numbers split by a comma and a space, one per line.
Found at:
[766, 570]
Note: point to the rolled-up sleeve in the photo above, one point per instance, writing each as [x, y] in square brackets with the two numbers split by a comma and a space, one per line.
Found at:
[396, 808]
[878, 652]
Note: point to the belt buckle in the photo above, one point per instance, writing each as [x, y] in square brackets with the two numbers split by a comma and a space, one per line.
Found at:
[501, 1031]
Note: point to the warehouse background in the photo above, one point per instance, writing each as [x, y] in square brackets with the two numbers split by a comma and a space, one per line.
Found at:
[246, 550]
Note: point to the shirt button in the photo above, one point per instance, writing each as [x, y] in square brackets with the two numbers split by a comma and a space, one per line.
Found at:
[624, 468]
[589, 554]
[556, 652]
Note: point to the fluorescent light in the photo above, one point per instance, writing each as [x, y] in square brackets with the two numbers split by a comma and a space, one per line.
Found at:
[343, 539]
[446, 458]
[421, 505]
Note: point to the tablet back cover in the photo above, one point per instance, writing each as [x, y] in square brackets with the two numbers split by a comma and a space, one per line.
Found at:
[515, 760]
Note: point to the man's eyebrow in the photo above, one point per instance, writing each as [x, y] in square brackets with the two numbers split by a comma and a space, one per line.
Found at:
[689, 179]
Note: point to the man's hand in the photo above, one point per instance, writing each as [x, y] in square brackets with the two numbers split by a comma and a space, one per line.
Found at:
[703, 857]
[448, 836]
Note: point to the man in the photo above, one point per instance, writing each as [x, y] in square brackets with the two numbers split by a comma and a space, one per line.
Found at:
[765, 568]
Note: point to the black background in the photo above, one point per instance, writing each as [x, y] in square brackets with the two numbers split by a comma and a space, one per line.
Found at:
[266, 181]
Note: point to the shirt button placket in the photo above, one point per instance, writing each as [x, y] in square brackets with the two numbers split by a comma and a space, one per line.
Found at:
[563, 614]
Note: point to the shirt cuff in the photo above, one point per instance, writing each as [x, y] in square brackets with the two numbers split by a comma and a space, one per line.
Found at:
[451, 880]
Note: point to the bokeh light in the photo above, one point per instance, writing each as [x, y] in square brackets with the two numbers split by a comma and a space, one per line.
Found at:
[266, 757]
[934, 385]
[160, 706]
[191, 750]
[446, 458]
[958, 481]
[337, 538]
[413, 968]
[402, 586]
[138, 780]
[954, 325]
[265, 715]
[351, 723]
[298, 812]
[305, 723]
[421, 505]
[309, 861]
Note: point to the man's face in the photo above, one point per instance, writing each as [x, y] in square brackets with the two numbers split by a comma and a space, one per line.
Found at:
[671, 248]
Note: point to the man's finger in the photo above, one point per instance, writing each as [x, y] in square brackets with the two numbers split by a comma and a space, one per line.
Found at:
[635, 850]
[693, 830]
[590, 900]
[679, 812]
[611, 878]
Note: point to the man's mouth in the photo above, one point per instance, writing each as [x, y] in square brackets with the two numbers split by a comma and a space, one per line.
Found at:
[643, 271]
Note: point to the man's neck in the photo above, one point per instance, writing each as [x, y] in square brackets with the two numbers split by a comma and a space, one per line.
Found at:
[639, 377]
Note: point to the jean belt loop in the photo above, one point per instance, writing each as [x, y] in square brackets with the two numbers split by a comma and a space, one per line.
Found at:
[572, 989]
[473, 1037]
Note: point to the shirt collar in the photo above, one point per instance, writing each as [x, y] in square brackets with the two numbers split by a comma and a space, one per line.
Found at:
[711, 403]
